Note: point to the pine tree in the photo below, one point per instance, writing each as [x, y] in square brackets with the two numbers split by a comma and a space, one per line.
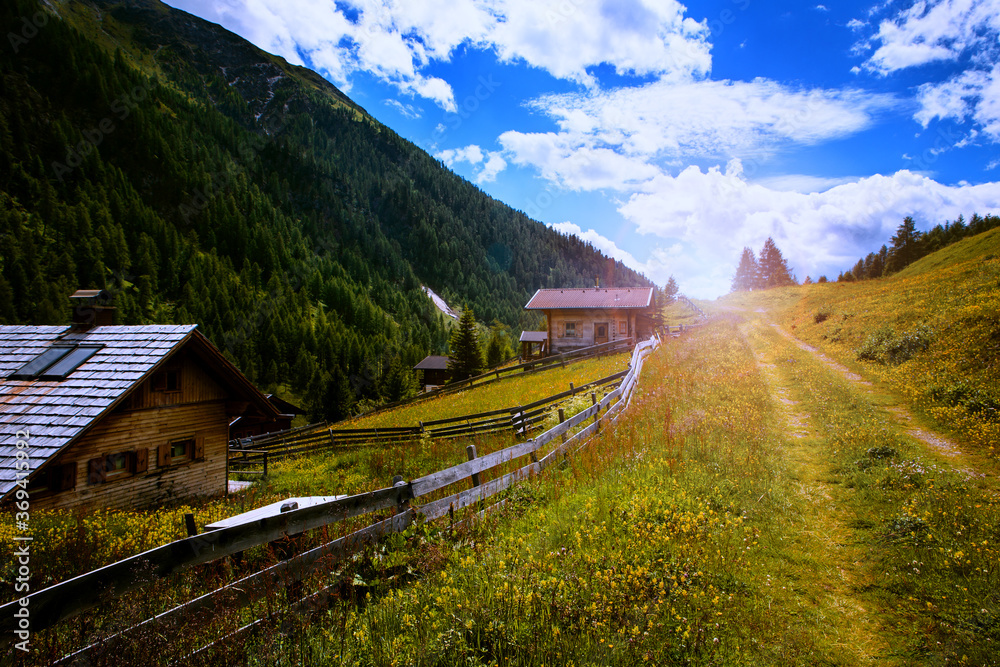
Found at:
[746, 273]
[905, 246]
[670, 292]
[465, 359]
[773, 269]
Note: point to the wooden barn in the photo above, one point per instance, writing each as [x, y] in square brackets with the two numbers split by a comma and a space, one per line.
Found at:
[433, 371]
[117, 416]
[577, 317]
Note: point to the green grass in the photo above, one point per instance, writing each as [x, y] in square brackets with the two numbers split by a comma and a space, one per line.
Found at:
[507, 393]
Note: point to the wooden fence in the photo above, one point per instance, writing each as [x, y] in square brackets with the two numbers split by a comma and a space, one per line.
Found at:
[74, 596]
[532, 366]
[247, 454]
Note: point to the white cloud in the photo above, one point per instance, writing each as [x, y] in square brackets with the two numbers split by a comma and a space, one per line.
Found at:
[396, 40]
[494, 165]
[963, 33]
[931, 31]
[492, 162]
[602, 243]
[615, 139]
[405, 110]
[634, 36]
[716, 213]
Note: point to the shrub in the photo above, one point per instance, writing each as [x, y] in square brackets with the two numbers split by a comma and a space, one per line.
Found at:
[821, 315]
[885, 346]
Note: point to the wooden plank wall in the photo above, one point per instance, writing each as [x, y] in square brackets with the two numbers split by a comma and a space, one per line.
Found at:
[150, 419]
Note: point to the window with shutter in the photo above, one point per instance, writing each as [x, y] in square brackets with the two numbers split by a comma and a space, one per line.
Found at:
[67, 476]
[96, 473]
[141, 460]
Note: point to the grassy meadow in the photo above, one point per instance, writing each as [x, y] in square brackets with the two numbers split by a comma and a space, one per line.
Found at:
[753, 506]
[510, 392]
[929, 334]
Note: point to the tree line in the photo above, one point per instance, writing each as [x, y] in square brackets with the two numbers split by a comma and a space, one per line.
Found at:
[909, 244]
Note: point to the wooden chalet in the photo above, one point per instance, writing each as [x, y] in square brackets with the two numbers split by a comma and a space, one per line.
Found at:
[433, 370]
[117, 416]
[577, 317]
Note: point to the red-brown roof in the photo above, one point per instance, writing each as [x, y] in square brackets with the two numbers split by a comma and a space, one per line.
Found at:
[591, 297]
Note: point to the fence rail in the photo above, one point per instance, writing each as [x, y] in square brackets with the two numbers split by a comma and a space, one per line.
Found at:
[79, 594]
[519, 420]
[531, 366]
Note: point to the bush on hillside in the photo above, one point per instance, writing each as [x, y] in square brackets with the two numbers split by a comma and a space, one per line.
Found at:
[885, 346]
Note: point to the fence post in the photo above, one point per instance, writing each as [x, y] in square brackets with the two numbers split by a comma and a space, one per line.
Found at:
[471, 452]
[572, 389]
[562, 418]
[192, 529]
[266, 454]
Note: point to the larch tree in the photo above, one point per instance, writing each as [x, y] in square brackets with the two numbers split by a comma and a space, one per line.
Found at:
[746, 277]
[773, 268]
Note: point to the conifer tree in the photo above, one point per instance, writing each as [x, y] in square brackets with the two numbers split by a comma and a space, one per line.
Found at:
[905, 246]
[746, 273]
[670, 292]
[465, 360]
[773, 269]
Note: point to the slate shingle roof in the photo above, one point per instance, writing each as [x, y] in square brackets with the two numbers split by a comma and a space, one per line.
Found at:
[432, 362]
[54, 412]
[591, 297]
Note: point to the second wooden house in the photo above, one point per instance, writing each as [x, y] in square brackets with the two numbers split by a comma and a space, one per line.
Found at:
[578, 317]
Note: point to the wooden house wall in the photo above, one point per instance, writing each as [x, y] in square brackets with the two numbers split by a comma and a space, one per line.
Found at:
[585, 320]
[144, 421]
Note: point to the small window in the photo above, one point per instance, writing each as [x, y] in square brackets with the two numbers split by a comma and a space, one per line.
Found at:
[571, 330]
[116, 465]
[167, 381]
[179, 451]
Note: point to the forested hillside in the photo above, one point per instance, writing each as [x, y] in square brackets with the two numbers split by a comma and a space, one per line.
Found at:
[198, 179]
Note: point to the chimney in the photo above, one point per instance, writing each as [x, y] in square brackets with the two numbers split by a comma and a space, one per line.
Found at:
[597, 282]
[91, 309]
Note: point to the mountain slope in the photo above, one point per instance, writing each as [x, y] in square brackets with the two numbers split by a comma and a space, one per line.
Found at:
[931, 332]
[157, 155]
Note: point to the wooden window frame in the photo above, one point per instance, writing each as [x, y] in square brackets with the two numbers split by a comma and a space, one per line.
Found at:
[622, 327]
[194, 450]
[576, 333]
[162, 384]
[102, 469]
[54, 479]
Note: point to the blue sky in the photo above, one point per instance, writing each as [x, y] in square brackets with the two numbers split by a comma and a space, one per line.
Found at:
[672, 135]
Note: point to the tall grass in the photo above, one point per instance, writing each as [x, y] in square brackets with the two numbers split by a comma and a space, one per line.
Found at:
[645, 547]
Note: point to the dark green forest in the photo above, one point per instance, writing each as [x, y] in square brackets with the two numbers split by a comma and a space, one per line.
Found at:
[200, 180]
